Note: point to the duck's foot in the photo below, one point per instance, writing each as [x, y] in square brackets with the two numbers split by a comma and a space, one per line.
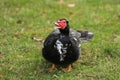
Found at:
[68, 68]
[52, 68]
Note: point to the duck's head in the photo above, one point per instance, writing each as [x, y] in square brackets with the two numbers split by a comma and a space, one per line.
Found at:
[61, 24]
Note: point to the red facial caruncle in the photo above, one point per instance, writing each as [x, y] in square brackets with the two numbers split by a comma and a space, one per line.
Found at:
[61, 24]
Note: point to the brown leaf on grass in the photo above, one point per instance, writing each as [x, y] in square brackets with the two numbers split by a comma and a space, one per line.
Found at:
[86, 75]
[71, 5]
[2, 75]
[54, 76]
[22, 30]
[10, 68]
[36, 38]
[4, 42]
[17, 9]
[17, 35]
[117, 39]
[71, 13]
[61, 1]
[43, 13]
[1, 55]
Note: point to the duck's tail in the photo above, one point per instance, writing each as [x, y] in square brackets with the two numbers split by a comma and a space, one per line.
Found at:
[85, 35]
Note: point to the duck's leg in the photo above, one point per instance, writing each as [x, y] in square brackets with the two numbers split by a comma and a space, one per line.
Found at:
[69, 68]
[53, 67]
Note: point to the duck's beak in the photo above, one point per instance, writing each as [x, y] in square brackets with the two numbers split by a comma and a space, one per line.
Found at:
[57, 25]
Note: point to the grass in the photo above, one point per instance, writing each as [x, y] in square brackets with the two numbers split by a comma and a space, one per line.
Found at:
[20, 55]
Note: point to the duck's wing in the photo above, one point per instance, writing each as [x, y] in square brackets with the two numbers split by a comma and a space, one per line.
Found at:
[51, 38]
[85, 35]
[81, 36]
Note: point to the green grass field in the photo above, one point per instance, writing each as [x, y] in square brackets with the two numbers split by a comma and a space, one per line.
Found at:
[21, 56]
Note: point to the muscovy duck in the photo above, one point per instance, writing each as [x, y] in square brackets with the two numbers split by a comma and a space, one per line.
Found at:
[62, 46]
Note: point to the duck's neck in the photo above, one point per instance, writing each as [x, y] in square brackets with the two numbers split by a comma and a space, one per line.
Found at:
[65, 31]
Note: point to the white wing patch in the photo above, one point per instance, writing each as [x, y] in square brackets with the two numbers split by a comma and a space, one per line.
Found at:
[61, 49]
[75, 39]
